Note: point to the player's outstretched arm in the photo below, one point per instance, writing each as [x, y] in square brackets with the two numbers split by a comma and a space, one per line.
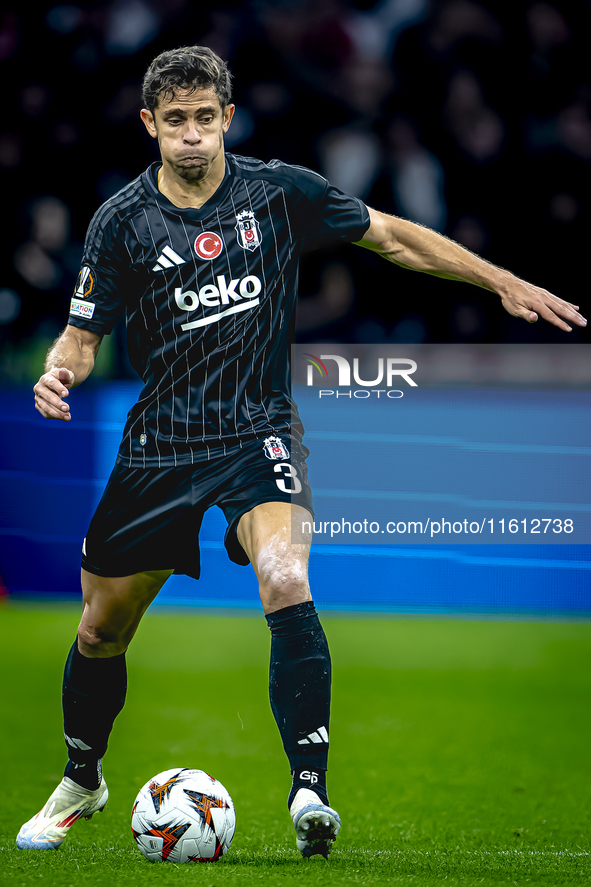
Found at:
[422, 249]
[68, 363]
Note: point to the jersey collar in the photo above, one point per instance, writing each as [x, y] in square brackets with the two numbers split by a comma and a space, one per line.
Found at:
[150, 177]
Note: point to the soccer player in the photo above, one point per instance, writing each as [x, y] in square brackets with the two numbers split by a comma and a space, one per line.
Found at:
[201, 254]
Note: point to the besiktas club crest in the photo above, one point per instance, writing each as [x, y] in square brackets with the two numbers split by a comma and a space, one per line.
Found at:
[248, 230]
[275, 448]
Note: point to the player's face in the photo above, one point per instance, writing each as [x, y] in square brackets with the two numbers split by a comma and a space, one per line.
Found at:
[190, 128]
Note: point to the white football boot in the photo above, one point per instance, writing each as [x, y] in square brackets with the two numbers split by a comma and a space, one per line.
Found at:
[316, 825]
[69, 803]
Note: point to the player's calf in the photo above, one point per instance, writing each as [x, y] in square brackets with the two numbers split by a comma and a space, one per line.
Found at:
[93, 695]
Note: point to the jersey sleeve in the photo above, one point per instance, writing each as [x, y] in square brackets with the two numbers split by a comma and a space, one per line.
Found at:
[324, 214]
[99, 295]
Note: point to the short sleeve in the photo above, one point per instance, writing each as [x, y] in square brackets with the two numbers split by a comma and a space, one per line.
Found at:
[324, 213]
[99, 294]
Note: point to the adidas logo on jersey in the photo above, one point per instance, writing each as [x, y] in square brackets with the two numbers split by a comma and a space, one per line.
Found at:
[167, 259]
[320, 735]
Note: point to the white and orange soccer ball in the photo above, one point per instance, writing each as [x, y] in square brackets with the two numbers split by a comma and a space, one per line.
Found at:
[183, 815]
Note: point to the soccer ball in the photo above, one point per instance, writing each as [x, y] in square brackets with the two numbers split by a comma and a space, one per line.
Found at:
[183, 816]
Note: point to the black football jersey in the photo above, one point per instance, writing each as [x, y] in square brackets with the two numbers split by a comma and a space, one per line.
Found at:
[209, 298]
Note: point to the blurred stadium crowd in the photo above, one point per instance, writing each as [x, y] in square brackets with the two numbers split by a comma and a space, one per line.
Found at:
[470, 116]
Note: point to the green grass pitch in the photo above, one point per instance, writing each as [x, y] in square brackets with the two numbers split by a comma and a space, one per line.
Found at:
[461, 750]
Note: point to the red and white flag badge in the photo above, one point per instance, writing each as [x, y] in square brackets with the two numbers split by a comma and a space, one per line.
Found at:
[274, 448]
[208, 245]
[248, 230]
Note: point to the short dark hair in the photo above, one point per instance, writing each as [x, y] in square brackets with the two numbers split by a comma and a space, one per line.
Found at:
[196, 67]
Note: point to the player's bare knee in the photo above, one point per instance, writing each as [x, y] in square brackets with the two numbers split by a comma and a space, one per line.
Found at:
[97, 643]
[282, 584]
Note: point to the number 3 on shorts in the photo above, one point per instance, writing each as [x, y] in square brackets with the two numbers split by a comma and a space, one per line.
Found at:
[289, 471]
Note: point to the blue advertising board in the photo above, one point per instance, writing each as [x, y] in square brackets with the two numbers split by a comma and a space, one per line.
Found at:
[478, 458]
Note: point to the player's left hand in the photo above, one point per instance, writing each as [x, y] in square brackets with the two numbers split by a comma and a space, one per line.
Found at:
[522, 299]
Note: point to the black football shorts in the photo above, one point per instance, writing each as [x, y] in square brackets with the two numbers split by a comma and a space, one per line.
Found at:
[149, 518]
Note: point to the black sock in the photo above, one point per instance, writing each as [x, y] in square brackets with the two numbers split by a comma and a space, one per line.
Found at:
[93, 695]
[299, 690]
[312, 778]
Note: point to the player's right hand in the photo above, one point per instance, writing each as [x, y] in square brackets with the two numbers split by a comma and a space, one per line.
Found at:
[50, 390]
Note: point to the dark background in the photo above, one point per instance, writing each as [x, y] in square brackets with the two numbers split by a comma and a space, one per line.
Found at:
[470, 117]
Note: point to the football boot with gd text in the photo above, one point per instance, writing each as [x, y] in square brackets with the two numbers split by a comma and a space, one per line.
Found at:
[69, 803]
[316, 825]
